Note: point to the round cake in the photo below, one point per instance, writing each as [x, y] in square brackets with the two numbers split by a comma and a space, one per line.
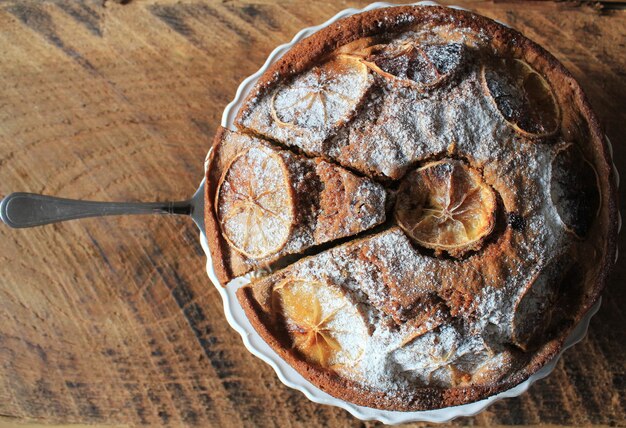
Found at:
[424, 202]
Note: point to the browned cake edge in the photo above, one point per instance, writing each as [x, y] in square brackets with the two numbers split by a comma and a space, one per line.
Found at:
[217, 245]
[424, 398]
[309, 50]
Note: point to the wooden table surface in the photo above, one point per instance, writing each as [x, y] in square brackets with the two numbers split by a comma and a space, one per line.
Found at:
[113, 320]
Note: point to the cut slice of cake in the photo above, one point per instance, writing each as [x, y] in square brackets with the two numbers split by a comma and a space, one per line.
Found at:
[266, 203]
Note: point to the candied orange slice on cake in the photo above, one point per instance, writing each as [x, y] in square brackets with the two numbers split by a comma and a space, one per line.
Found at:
[423, 65]
[522, 96]
[254, 203]
[324, 326]
[446, 206]
[323, 97]
[574, 189]
[360, 48]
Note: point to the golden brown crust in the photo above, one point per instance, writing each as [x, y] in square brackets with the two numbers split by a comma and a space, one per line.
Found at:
[579, 123]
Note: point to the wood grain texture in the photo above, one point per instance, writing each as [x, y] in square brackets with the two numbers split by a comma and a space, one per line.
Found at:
[113, 320]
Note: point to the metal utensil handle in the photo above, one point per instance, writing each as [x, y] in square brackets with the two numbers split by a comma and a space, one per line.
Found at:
[30, 209]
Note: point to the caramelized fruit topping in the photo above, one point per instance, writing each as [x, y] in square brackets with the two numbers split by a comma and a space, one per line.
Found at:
[446, 206]
[321, 98]
[254, 203]
[522, 97]
[325, 327]
[422, 65]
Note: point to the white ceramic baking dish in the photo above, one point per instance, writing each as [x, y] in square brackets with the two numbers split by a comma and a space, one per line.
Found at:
[255, 344]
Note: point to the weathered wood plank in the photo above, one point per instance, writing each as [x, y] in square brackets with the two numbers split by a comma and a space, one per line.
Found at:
[113, 320]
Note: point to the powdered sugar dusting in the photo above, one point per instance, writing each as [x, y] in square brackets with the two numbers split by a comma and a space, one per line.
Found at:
[321, 98]
[303, 112]
[330, 330]
[432, 321]
[398, 275]
[256, 211]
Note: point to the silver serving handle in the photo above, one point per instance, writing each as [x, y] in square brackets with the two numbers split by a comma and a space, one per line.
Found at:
[19, 210]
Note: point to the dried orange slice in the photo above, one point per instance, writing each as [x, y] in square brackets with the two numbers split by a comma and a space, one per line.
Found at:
[254, 203]
[360, 48]
[575, 189]
[446, 206]
[323, 97]
[522, 96]
[424, 65]
[326, 329]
